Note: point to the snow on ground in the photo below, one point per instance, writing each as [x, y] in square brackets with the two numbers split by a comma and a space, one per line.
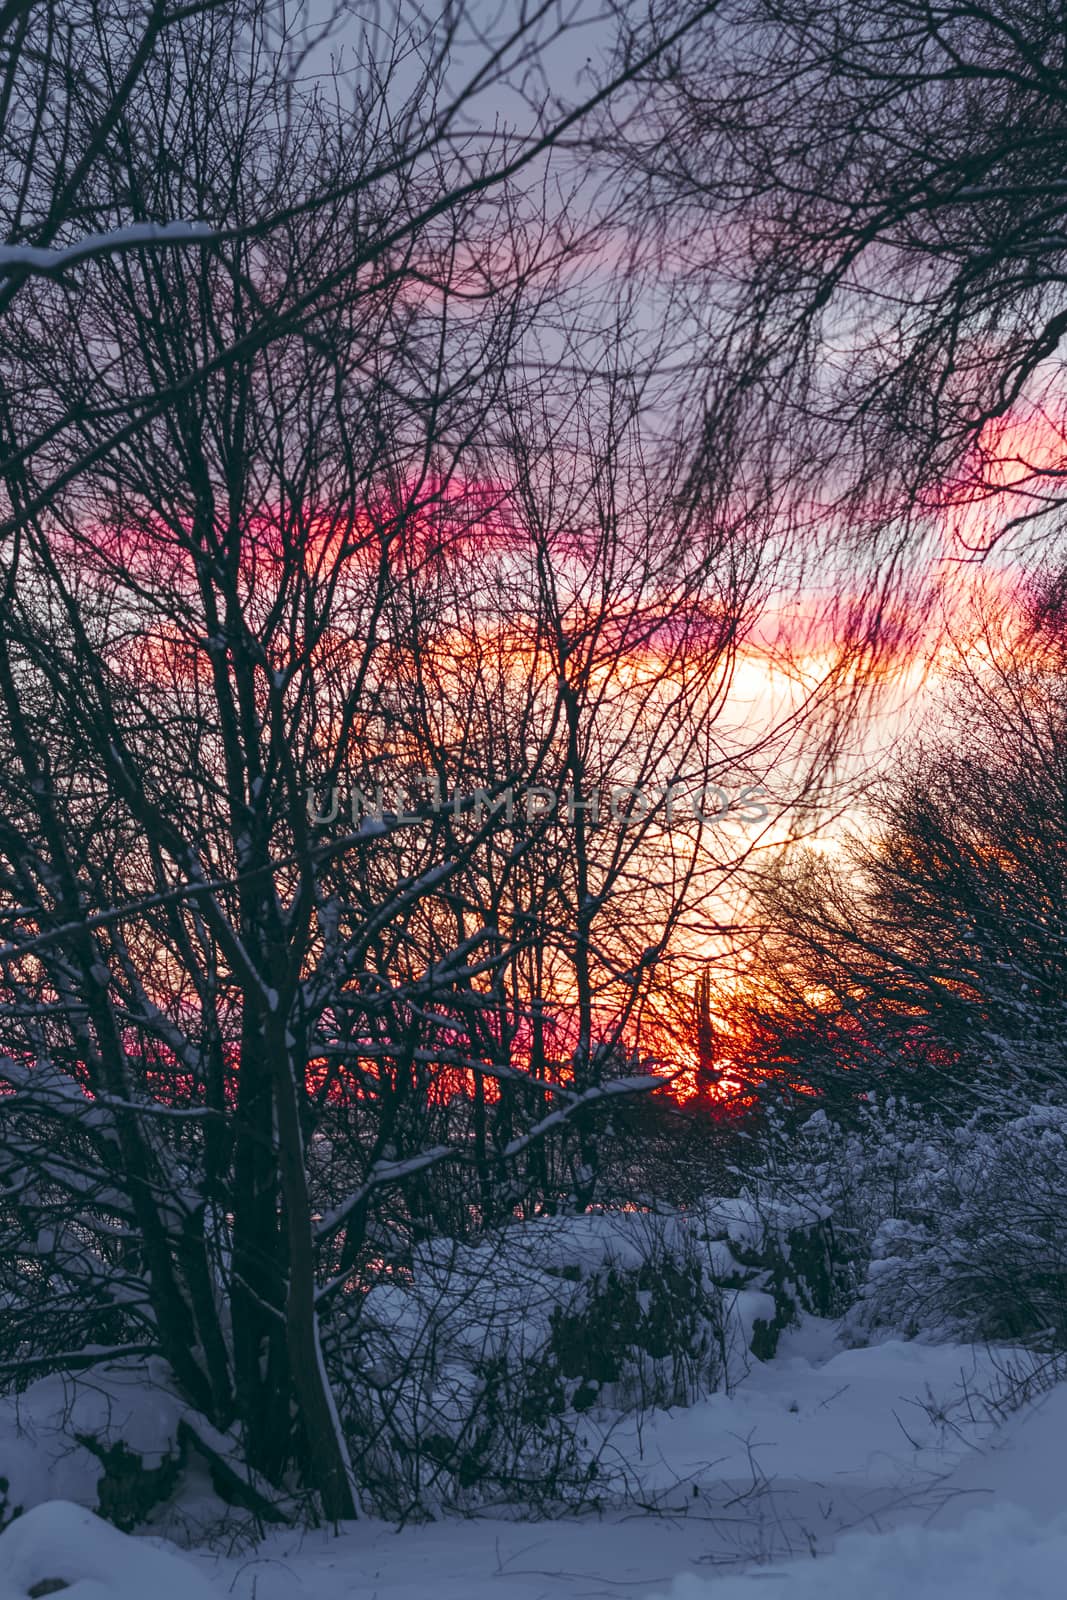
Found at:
[996, 1529]
[63, 1544]
[39, 1454]
[999, 1554]
[818, 1441]
[882, 1457]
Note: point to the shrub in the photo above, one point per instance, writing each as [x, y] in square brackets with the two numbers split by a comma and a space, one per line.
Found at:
[8, 1512]
[128, 1490]
[935, 1230]
[498, 1371]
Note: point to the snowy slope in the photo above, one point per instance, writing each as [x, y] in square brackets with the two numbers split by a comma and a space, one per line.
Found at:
[996, 1530]
[1000, 1554]
[63, 1544]
[742, 1478]
[880, 1456]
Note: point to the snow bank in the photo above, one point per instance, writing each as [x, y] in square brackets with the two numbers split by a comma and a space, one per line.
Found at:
[39, 1453]
[64, 1543]
[993, 1528]
[1002, 1553]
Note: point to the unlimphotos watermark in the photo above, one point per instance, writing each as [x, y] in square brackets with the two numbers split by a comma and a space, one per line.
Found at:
[421, 797]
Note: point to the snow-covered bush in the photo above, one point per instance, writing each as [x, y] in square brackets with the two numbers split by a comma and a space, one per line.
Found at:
[106, 1438]
[60, 1546]
[980, 1250]
[936, 1229]
[497, 1372]
[118, 1439]
[775, 1247]
[493, 1372]
[846, 1178]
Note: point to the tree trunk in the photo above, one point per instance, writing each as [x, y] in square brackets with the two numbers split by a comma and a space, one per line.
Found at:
[327, 1466]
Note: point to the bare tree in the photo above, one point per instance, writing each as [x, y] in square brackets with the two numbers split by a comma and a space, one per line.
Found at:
[392, 142]
[299, 510]
[928, 958]
[863, 206]
[242, 463]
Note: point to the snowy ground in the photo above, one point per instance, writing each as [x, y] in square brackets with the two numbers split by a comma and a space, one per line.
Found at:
[880, 1462]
